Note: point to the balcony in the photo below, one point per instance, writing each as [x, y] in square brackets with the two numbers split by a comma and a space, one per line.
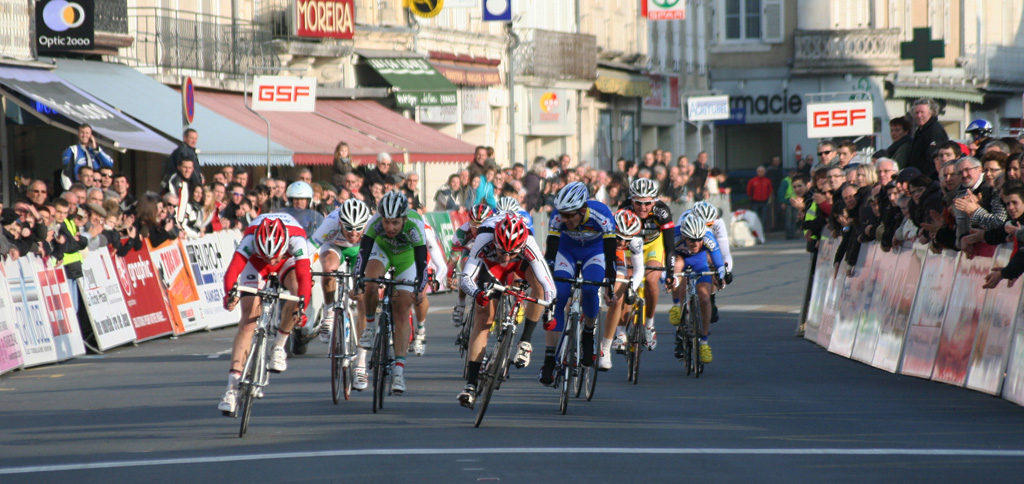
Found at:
[174, 43]
[15, 21]
[858, 52]
[554, 55]
[994, 65]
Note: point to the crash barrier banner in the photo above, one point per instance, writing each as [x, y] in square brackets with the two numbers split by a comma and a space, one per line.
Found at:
[208, 258]
[922, 314]
[104, 301]
[58, 309]
[10, 342]
[142, 294]
[42, 340]
[179, 286]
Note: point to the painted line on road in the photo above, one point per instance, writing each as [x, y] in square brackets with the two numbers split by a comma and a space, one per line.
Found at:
[732, 308]
[738, 253]
[516, 450]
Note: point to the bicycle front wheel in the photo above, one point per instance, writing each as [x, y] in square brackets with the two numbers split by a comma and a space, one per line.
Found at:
[491, 376]
[698, 323]
[638, 340]
[247, 386]
[336, 355]
[380, 363]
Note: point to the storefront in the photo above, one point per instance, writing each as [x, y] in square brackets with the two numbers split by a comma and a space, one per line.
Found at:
[613, 106]
[661, 116]
[547, 125]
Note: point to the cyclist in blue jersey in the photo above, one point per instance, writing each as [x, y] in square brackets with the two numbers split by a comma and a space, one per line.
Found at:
[695, 246]
[716, 229]
[580, 230]
[511, 205]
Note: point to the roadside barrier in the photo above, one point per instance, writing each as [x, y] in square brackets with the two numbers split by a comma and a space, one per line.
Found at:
[922, 314]
[173, 289]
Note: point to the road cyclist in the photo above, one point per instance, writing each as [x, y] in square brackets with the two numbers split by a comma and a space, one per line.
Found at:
[502, 253]
[462, 242]
[437, 266]
[716, 227]
[394, 238]
[695, 246]
[273, 243]
[629, 275]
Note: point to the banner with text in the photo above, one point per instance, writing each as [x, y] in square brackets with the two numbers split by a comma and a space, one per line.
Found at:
[208, 257]
[104, 301]
[179, 286]
[36, 335]
[10, 343]
[58, 309]
[142, 294]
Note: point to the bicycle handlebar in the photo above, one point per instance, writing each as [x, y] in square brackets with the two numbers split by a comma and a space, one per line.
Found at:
[393, 282]
[511, 290]
[332, 274]
[683, 275]
[267, 292]
[582, 282]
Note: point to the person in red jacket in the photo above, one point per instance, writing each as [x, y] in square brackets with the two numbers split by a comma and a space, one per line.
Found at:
[759, 189]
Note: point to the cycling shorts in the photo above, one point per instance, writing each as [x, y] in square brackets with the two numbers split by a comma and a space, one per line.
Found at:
[654, 251]
[347, 255]
[404, 264]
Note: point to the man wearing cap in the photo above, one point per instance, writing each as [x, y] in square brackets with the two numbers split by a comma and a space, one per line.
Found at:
[929, 136]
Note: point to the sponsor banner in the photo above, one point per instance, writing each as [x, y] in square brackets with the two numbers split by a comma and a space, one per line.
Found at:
[906, 276]
[10, 343]
[208, 262]
[29, 319]
[142, 294]
[822, 281]
[62, 25]
[284, 93]
[444, 229]
[880, 276]
[59, 310]
[831, 308]
[960, 325]
[228, 242]
[104, 301]
[176, 278]
[830, 120]
[1013, 384]
[663, 9]
[854, 298]
[995, 332]
[925, 328]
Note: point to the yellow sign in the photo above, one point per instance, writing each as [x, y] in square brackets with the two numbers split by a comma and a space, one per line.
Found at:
[425, 8]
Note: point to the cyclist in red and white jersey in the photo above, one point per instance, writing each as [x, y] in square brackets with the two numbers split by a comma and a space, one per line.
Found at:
[629, 242]
[503, 251]
[462, 242]
[274, 243]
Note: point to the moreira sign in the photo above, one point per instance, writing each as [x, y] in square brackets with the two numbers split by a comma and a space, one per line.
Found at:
[324, 18]
[283, 93]
[829, 120]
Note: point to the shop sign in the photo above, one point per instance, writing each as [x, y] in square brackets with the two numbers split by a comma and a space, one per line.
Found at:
[664, 9]
[707, 108]
[549, 112]
[830, 120]
[765, 104]
[475, 108]
[284, 93]
[324, 18]
[62, 25]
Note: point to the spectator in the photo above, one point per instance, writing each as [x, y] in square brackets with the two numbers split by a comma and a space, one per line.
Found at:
[69, 244]
[180, 181]
[37, 194]
[86, 153]
[532, 183]
[485, 192]
[480, 163]
[304, 175]
[1013, 167]
[342, 164]
[759, 189]
[899, 150]
[564, 163]
[411, 188]
[449, 197]
[700, 171]
[209, 211]
[378, 173]
[973, 191]
[187, 150]
[85, 177]
[151, 220]
[929, 136]
[794, 204]
[826, 153]
[994, 215]
[194, 223]
[666, 158]
[240, 177]
[106, 177]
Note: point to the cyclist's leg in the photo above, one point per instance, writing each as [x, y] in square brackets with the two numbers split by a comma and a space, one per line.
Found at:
[654, 256]
[376, 265]
[290, 280]
[565, 266]
[329, 262]
[613, 316]
[250, 309]
[704, 298]
[593, 270]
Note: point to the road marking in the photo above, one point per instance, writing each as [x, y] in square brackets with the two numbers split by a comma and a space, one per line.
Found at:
[517, 450]
[745, 308]
[738, 253]
[22, 377]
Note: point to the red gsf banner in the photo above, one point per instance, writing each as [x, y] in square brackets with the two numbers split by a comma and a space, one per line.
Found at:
[324, 18]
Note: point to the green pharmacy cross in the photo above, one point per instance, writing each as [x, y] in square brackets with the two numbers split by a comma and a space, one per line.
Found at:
[922, 49]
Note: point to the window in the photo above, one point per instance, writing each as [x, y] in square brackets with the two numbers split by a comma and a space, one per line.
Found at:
[627, 142]
[743, 19]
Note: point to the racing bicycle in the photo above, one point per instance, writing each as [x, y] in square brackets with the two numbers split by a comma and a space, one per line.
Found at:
[382, 353]
[344, 341]
[568, 364]
[688, 333]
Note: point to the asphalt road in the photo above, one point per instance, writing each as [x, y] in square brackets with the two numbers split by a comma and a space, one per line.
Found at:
[770, 408]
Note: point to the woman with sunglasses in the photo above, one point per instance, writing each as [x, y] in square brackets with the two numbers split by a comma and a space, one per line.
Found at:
[658, 234]
[503, 251]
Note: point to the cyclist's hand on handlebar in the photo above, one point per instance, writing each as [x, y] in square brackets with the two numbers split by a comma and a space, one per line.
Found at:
[630, 296]
[728, 277]
[481, 297]
[231, 299]
[670, 281]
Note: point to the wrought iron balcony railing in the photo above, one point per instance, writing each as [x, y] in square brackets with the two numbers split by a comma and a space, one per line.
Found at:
[112, 16]
[556, 55]
[860, 51]
[994, 64]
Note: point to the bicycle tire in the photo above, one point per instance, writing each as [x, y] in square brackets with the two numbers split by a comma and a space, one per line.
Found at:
[698, 323]
[247, 391]
[351, 351]
[336, 354]
[492, 375]
[569, 357]
[589, 376]
[379, 363]
[639, 338]
[574, 360]
[631, 344]
[465, 332]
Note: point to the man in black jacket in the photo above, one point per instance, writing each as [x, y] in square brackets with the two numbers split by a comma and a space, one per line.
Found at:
[187, 151]
[929, 135]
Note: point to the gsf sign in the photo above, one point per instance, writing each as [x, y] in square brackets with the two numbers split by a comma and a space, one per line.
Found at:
[282, 93]
[830, 120]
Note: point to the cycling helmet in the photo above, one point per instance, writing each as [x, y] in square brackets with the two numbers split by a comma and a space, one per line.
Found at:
[979, 128]
[271, 238]
[511, 233]
[508, 204]
[627, 224]
[299, 189]
[706, 211]
[479, 213]
[353, 214]
[693, 227]
[572, 197]
[643, 188]
[393, 204]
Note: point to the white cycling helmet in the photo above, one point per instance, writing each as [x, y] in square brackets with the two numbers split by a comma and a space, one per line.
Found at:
[693, 227]
[627, 224]
[393, 204]
[508, 204]
[353, 214]
[643, 188]
[706, 211]
[572, 197]
[299, 189]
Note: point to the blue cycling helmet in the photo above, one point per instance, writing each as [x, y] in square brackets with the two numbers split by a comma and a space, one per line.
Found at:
[979, 128]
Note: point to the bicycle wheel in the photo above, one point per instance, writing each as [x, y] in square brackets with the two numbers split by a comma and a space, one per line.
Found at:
[490, 377]
[639, 340]
[247, 384]
[336, 355]
[589, 376]
[698, 324]
[577, 378]
[462, 340]
[379, 363]
[568, 362]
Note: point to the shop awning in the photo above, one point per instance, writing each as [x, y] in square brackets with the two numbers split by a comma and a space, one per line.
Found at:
[468, 75]
[970, 96]
[414, 81]
[622, 83]
[311, 136]
[44, 93]
[221, 141]
[422, 143]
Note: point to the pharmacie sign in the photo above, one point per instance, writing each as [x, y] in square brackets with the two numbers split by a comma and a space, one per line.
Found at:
[324, 18]
[283, 93]
[62, 25]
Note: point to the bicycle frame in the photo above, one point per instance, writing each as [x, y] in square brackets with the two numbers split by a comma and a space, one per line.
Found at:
[567, 354]
[383, 352]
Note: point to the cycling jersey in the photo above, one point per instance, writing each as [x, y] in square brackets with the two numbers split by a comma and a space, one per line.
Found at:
[406, 252]
[598, 223]
[255, 268]
[308, 219]
[699, 260]
[658, 223]
[718, 229]
[592, 243]
[329, 238]
[484, 255]
[635, 247]
[435, 257]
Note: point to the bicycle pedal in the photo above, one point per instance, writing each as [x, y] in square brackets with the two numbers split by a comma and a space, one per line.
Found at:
[228, 414]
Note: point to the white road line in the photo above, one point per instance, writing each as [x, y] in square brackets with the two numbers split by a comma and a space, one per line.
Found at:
[738, 253]
[517, 450]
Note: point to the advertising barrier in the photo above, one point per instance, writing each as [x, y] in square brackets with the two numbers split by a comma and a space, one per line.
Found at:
[906, 276]
[992, 344]
[104, 302]
[876, 292]
[29, 318]
[10, 343]
[142, 294]
[853, 300]
[821, 284]
[922, 339]
[960, 324]
[208, 259]
[178, 286]
[58, 309]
